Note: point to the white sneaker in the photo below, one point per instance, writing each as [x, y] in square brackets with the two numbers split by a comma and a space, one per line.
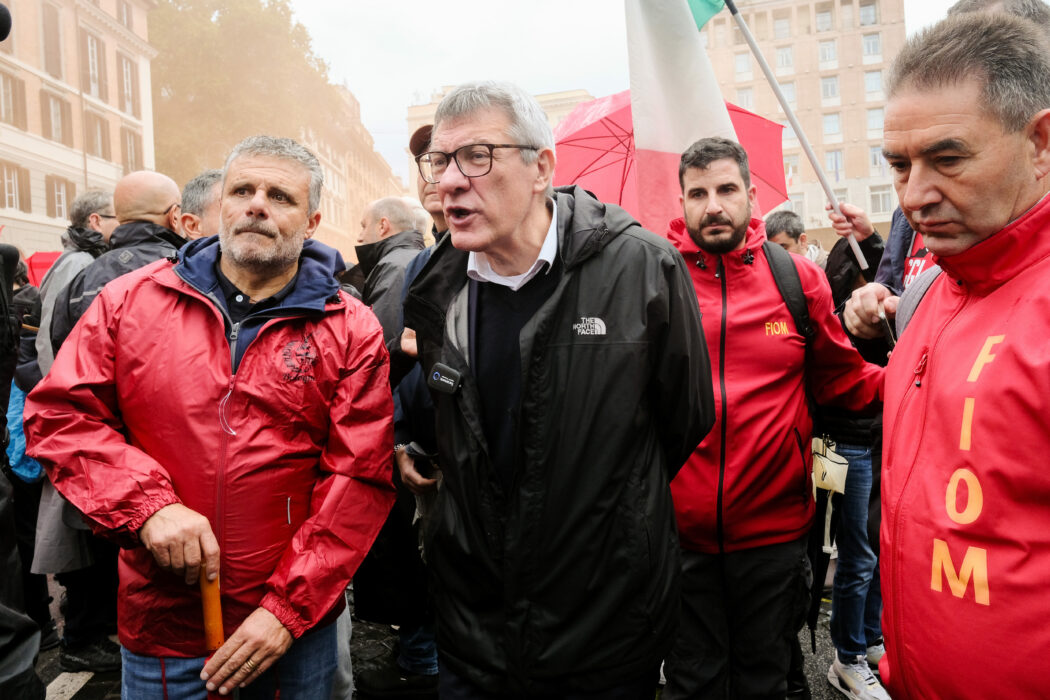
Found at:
[856, 680]
[875, 654]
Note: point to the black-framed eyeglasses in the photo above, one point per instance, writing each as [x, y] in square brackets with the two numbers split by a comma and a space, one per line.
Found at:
[106, 216]
[473, 160]
[173, 205]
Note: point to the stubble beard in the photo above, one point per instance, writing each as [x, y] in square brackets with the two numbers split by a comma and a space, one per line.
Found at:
[721, 245]
[261, 259]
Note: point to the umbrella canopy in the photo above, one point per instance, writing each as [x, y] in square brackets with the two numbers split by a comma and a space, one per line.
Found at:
[595, 147]
[39, 263]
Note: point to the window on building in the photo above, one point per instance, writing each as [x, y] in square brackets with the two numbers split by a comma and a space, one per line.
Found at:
[828, 51]
[782, 28]
[52, 41]
[129, 85]
[835, 164]
[790, 167]
[875, 119]
[96, 134]
[872, 81]
[132, 142]
[12, 101]
[789, 133]
[797, 204]
[881, 200]
[738, 36]
[829, 87]
[785, 57]
[125, 14]
[15, 182]
[872, 44]
[869, 14]
[825, 22]
[60, 194]
[56, 117]
[742, 63]
[745, 97]
[93, 65]
[789, 92]
[876, 162]
[832, 124]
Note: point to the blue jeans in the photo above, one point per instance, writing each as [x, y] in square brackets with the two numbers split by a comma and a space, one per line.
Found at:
[856, 599]
[418, 649]
[304, 673]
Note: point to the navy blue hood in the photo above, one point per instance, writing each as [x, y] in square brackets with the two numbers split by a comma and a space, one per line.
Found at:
[314, 285]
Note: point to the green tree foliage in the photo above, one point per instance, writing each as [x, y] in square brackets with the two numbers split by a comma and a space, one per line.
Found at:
[228, 69]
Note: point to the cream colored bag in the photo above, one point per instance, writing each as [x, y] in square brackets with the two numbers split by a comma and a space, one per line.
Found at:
[829, 473]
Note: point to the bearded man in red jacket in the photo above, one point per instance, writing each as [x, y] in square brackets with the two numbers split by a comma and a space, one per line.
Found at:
[228, 413]
[965, 524]
[744, 499]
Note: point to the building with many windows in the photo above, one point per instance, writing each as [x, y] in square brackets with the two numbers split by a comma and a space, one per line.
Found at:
[830, 59]
[75, 109]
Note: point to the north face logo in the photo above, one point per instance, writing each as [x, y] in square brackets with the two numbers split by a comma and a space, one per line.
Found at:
[300, 358]
[589, 325]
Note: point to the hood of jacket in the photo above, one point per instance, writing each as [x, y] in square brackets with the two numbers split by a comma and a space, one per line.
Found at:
[86, 240]
[314, 285]
[1003, 255]
[137, 232]
[680, 238]
[369, 254]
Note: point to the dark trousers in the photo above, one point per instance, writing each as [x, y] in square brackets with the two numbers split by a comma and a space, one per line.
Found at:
[91, 596]
[740, 612]
[26, 504]
[454, 687]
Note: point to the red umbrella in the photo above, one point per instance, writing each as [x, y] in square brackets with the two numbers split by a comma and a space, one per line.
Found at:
[595, 147]
[38, 265]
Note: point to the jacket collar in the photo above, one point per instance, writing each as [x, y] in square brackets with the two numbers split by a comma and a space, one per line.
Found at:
[315, 282]
[680, 238]
[138, 232]
[1002, 256]
[85, 240]
[369, 254]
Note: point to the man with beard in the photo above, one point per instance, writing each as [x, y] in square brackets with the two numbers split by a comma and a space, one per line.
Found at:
[228, 412]
[743, 500]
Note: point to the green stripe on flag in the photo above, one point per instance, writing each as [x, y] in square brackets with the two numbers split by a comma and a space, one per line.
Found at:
[703, 10]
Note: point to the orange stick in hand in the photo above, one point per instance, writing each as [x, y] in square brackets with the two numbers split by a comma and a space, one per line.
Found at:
[213, 634]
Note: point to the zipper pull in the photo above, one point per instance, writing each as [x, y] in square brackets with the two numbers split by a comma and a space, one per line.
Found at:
[225, 424]
[234, 329]
[721, 268]
[920, 369]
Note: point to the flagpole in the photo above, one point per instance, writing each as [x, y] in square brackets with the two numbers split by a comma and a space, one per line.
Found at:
[772, 80]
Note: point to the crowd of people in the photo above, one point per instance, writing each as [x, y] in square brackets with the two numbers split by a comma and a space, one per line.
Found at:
[567, 458]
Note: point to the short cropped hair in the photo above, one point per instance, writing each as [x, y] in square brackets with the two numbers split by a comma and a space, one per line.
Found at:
[401, 214]
[785, 221]
[1032, 10]
[706, 151]
[88, 203]
[286, 149]
[197, 194]
[1008, 55]
[528, 122]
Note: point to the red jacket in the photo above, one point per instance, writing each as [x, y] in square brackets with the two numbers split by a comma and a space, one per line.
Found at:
[289, 458]
[965, 484]
[748, 483]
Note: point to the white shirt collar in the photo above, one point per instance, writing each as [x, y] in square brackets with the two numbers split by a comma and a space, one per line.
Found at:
[479, 269]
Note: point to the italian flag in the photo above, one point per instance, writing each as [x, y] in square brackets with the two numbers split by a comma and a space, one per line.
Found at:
[675, 98]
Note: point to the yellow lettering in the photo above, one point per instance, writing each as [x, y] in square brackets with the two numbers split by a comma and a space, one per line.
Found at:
[974, 497]
[967, 424]
[974, 566]
[984, 357]
[776, 328]
[769, 328]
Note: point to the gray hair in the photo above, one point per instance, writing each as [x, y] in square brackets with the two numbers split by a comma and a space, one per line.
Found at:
[88, 203]
[1032, 10]
[1008, 55]
[706, 151]
[785, 221]
[197, 194]
[528, 122]
[419, 215]
[401, 214]
[286, 149]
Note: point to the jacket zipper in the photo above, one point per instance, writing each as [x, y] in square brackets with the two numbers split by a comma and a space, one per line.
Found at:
[720, 273]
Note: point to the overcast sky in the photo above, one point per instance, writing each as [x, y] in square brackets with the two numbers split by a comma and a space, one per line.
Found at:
[395, 54]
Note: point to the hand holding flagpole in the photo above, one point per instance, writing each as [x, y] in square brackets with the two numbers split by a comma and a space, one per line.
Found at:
[771, 79]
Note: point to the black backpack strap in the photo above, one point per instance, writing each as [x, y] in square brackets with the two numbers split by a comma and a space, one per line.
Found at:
[785, 274]
[913, 296]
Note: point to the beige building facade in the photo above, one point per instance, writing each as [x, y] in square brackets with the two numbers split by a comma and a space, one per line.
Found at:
[831, 59]
[76, 109]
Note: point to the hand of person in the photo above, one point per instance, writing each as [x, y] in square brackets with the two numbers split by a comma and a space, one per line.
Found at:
[410, 476]
[181, 541]
[861, 312]
[254, 647]
[853, 220]
[408, 343]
